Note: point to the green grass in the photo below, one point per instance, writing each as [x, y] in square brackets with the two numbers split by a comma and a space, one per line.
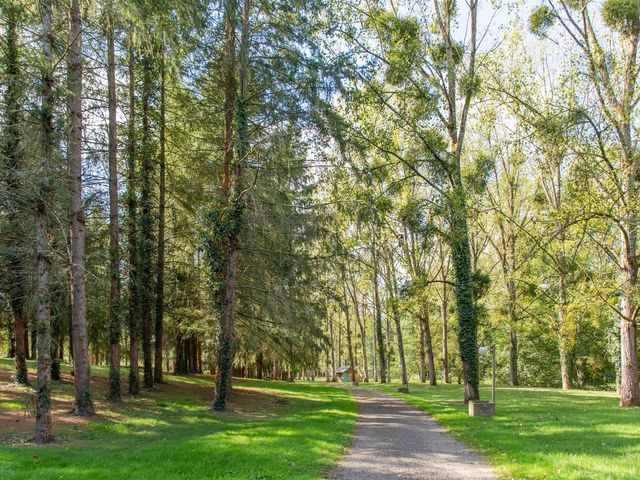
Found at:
[176, 436]
[541, 433]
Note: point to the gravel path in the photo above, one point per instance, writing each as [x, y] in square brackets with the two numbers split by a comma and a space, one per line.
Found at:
[393, 440]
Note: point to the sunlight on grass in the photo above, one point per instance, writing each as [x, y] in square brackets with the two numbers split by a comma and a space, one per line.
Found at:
[164, 435]
[541, 433]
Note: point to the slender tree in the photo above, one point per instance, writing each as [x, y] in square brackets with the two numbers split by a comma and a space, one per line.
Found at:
[132, 230]
[11, 151]
[159, 320]
[114, 393]
[83, 405]
[43, 432]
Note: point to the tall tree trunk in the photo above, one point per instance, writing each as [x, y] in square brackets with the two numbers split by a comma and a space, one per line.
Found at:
[465, 302]
[180, 367]
[375, 356]
[132, 231]
[326, 354]
[232, 167]
[393, 290]
[363, 340]
[115, 390]
[348, 320]
[83, 405]
[429, 344]
[361, 327]
[333, 351]
[43, 433]
[339, 346]
[382, 366]
[11, 152]
[513, 338]
[564, 336]
[445, 327]
[259, 365]
[56, 345]
[157, 374]
[145, 241]
[421, 351]
[459, 237]
[629, 388]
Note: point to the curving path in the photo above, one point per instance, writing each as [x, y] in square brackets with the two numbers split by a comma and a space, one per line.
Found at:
[393, 440]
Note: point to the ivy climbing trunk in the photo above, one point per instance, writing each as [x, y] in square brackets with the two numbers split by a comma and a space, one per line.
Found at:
[43, 432]
[455, 124]
[83, 404]
[114, 393]
[465, 301]
[230, 192]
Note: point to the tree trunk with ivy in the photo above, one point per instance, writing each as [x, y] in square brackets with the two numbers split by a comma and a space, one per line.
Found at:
[465, 300]
[230, 219]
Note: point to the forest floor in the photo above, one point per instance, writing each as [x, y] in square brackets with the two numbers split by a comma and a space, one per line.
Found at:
[271, 430]
[395, 440]
[540, 433]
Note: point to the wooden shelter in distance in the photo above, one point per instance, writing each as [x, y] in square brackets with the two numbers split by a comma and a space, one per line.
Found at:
[346, 374]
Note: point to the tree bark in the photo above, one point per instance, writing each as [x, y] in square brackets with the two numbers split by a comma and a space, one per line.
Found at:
[393, 287]
[629, 388]
[83, 405]
[421, 351]
[114, 393]
[465, 301]
[348, 321]
[11, 149]
[226, 337]
[132, 232]
[382, 366]
[145, 241]
[259, 365]
[159, 324]
[43, 432]
[429, 344]
[445, 327]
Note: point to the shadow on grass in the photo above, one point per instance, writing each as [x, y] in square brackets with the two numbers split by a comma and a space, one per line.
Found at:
[162, 436]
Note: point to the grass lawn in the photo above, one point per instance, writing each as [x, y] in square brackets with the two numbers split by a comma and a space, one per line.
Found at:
[273, 430]
[541, 433]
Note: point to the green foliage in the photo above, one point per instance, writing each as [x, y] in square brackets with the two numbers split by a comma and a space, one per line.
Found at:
[438, 53]
[402, 38]
[621, 15]
[541, 20]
